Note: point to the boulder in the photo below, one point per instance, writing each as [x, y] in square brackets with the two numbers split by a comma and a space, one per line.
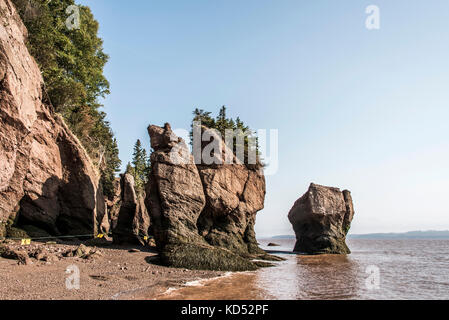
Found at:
[44, 255]
[321, 219]
[202, 216]
[46, 177]
[13, 254]
[133, 220]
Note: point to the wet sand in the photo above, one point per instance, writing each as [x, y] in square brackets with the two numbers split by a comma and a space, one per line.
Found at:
[235, 286]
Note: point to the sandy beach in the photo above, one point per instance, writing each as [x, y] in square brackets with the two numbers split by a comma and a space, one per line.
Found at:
[117, 272]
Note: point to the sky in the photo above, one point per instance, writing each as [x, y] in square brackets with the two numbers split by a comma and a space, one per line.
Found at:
[359, 109]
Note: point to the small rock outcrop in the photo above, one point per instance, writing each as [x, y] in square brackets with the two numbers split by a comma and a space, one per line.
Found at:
[21, 256]
[132, 221]
[321, 219]
[46, 178]
[202, 218]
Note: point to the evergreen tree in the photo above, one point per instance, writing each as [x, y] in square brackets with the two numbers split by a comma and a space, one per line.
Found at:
[129, 169]
[222, 123]
[199, 115]
[140, 166]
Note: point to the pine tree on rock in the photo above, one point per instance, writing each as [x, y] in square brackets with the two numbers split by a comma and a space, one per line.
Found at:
[140, 166]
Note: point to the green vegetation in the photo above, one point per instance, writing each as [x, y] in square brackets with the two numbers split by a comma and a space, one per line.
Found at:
[222, 123]
[140, 167]
[72, 62]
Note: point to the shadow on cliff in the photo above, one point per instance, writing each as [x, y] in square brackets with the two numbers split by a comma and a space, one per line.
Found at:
[61, 209]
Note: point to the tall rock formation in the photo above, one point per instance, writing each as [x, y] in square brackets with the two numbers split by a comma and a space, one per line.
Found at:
[202, 218]
[321, 219]
[234, 194]
[132, 221]
[113, 203]
[46, 178]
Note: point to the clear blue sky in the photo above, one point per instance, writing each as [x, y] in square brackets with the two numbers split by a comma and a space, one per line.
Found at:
[357, 109]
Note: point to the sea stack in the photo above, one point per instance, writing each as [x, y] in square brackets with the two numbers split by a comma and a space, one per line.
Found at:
[321, 219]
[202, 216]
[132, 221]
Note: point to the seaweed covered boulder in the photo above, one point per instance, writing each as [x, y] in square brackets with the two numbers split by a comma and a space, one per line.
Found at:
[321, 219]
[132, 221]
[176, 200]
[47, 180]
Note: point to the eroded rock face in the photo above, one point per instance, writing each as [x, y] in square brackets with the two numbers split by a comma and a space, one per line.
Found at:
[202, 216]
[234, 194]
[321, 219]
[46, 177]
[113, 203]
[175, 196]
[133, 221]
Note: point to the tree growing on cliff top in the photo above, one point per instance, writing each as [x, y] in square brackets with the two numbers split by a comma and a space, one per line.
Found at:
[72, 62]
[221, 123]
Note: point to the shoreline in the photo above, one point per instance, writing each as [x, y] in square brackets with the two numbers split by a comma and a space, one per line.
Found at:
[217, 288]
[194, 284]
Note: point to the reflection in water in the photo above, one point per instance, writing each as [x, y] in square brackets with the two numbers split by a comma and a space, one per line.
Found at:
[409, 269]
[311, 277]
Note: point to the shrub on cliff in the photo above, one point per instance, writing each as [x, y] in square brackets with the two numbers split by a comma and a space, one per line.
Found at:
[140, 167]
[72, 61]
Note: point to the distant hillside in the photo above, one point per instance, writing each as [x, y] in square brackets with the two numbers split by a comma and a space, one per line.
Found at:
[406, 235]
[284, 237]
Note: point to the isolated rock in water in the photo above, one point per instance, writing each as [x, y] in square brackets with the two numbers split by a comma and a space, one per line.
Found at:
[234, 194]
[198, 222]
[46, 178]
[321, 219]
[133, 220]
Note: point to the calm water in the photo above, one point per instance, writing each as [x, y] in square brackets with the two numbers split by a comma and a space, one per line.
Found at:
[407, 269]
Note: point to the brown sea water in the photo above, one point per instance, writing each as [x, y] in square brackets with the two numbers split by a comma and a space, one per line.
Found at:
[403, 269]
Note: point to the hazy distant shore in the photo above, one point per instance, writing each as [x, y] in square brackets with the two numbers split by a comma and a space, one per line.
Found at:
[391, 235]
